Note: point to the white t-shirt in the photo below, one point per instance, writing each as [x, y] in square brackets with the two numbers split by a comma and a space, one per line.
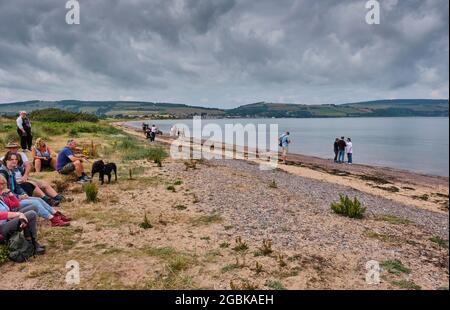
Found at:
[349, 148]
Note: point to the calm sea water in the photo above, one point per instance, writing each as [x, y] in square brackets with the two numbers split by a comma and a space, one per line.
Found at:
[418, 144]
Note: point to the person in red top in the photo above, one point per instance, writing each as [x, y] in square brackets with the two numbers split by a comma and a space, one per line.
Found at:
[11, 222]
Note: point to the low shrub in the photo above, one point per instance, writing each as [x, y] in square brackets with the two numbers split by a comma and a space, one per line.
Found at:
[91, 192]
[348, 207]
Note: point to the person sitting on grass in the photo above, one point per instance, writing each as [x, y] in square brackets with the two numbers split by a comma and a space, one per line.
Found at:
[42, 156]
[44, 210]
[10, 222]
[67, 162]
[39, 188]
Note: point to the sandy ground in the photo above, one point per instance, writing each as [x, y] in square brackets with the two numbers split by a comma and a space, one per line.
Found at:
[221, 224]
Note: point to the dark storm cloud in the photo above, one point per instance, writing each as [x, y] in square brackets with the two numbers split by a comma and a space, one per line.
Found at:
[223, 52]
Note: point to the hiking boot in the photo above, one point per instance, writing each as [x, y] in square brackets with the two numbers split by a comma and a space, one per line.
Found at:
[59, 198]
[58, 222]
[38, 249]
[82, 181]
[62, 216]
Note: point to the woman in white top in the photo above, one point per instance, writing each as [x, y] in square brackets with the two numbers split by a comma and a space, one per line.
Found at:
[349, 151]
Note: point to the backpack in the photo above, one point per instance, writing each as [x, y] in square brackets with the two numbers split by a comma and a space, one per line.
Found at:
[20, 249]
[281, 140]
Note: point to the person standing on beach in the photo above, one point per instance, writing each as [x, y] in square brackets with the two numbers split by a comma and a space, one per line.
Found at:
[284, 143]
[336, 150]
[24, 131]
[153, 133]
[349, 151]
[341, 148]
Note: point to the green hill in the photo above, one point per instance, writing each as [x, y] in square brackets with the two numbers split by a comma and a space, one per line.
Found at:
[136, 109]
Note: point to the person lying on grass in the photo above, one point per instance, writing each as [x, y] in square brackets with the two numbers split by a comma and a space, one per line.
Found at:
[67, 162]
[44, 209]
[32, 187]
[42, 156]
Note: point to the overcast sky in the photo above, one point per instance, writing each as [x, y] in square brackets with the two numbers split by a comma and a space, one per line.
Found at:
[224, 53]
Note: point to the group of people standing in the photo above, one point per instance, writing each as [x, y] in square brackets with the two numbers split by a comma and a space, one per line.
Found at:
[342, 147]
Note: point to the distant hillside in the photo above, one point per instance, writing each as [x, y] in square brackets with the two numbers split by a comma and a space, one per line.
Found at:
[415, 107]
[130, 109]
[135, 109]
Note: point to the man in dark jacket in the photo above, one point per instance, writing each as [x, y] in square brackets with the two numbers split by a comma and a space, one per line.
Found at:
[341, 147]
[336, 150]
[24, 131]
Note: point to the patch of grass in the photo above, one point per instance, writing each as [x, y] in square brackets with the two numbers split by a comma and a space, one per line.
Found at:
[146, 223]
[172, 281]
[392, 219]
[266, 248]
[91, 192]
[245, 285]
[180, 207]
[171, 188]
[224, 245]
[207, 219]
[230, 267]
[176, 260]
[4, 254]
[258, 268]
[273, 184]
[179, 262]
[275, 285]
[241, 246]
[382, 237]
[405, 284]
[178, 182]
[395, 266]
[348, 207]
[65, 238]
[211, 256]
[440, 242]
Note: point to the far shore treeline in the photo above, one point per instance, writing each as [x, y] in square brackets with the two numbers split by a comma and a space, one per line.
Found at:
[92, 110]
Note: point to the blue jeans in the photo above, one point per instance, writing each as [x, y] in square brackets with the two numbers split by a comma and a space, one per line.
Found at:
[350, 158]
[43, 209]
[341, 156]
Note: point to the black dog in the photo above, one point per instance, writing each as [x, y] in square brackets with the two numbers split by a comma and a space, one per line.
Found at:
[100, 167]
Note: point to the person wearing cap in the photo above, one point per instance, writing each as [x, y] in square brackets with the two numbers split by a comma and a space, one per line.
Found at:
[67, 162]
[24, 131]
[32, 187]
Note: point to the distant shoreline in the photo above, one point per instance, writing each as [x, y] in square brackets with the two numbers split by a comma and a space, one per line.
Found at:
[299, 159]
[422, 191]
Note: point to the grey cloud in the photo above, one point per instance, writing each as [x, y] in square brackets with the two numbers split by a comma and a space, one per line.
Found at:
[226, 50]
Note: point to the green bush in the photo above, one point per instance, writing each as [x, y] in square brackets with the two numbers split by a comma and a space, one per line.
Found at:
[91, 191]
[348, 207]
[58, 115]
